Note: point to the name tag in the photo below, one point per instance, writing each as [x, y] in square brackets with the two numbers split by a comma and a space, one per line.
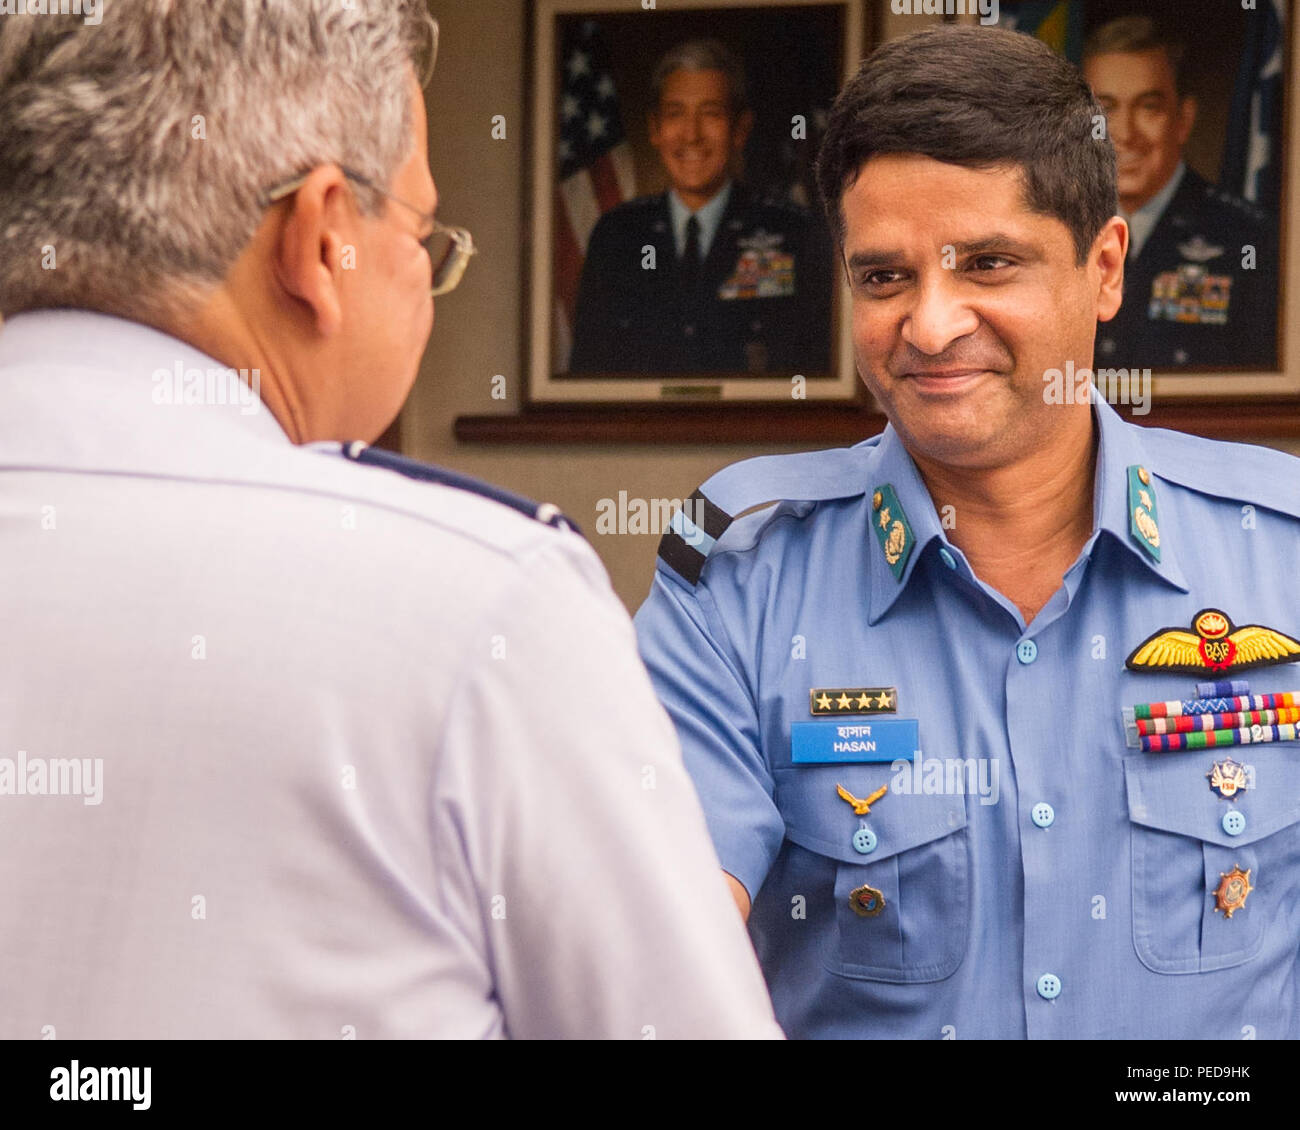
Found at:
[834, 743]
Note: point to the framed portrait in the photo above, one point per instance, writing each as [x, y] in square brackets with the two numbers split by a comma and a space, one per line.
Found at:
[1194, 93]
[680, 252]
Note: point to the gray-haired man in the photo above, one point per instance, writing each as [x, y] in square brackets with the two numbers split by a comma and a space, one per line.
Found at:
[291, 746]
[738, 285]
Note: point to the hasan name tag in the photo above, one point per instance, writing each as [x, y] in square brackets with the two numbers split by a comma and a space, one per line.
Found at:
[834, 743]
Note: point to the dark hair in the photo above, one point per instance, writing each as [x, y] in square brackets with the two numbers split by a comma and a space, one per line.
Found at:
[703, 55]
[980, 98]
[1131, 34]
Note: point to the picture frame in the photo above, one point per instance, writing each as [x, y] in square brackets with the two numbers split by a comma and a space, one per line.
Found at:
[620, 308]
[1205, 315]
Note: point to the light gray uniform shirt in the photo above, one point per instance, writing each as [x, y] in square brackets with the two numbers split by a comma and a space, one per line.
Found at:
[294, 747]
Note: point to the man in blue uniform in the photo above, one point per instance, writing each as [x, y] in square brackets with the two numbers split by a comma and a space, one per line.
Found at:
[913, 678]
[735, 285]
[1200, 287]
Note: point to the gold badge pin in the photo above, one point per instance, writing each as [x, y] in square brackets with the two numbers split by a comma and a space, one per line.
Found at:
[1143, 523]
[861, 807]
[892, 528]
[866, 901]
[1230, 895]
[1213, 644]
[1228, 778]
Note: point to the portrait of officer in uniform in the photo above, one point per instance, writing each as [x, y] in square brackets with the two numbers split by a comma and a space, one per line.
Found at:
[1201, 278]
[703, 277]
[994, 716]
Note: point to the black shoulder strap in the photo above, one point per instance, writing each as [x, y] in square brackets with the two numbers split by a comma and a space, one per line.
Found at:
[544, 512]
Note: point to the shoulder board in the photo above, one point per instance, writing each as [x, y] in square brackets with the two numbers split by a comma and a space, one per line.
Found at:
[1242, 472]
[545, 512]
[816, 476]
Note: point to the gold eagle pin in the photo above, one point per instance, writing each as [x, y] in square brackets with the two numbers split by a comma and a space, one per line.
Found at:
[1213, 644]
[861, 805]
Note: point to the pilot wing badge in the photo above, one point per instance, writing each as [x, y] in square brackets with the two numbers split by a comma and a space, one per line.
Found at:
[1213, 644]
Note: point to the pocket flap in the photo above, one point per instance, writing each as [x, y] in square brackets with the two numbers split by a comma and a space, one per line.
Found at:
[817, 819]
[1171, 792]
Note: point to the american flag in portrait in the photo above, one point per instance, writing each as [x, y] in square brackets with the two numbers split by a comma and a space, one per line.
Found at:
[594, 163]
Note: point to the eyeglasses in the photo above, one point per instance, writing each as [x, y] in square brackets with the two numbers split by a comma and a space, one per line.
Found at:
[449, 248]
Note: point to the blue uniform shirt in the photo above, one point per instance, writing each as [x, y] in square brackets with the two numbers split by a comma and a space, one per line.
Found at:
[1027, 873]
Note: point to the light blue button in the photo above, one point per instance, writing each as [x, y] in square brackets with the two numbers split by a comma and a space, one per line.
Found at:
[1026, 651]
[864, 840]
[1043, 815]
[1049, 986]
[945, 555]
[1234, 823]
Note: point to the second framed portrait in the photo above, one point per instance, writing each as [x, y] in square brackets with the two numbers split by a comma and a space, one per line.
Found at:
[680, 251]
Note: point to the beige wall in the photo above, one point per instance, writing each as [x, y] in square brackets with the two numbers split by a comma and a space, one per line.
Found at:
[478, 331]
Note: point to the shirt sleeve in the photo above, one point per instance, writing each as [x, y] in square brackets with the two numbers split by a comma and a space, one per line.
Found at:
[563, 789]
[717, 723]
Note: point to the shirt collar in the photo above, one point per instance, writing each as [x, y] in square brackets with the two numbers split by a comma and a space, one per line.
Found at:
[709, 217]
[120, 386]
[1119, 448]
[1143, 219]
[894, 468]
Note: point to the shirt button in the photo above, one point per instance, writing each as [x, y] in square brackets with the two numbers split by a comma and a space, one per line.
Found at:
[1234, 823]
[864, 841]
[947, 558]
[1043, 815]
[1026, 651]
[1049, 986]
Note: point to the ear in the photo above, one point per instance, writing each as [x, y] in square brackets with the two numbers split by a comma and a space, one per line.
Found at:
[1108, 251]
[652, 124]
[740, 135]
[320, 221]
[1186, 119]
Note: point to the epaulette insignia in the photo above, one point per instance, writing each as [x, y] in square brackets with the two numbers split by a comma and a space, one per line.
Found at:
[1142, 511]
[693, 532]
[1213, 644]
[545, 512]
[853, 700]
[892, 528]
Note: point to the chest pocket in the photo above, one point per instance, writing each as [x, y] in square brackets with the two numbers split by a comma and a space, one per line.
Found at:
[919, 864]
[1182, 850]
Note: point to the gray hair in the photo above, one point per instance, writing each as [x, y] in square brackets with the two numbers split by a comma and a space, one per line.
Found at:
[703, 55]
[135, 153]
[1134, 34]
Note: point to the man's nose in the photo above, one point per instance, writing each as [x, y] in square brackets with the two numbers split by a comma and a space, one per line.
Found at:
[1120, 125]
[939, 315]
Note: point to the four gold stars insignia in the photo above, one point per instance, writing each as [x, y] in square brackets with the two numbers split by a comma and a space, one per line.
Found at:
[852, 700]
